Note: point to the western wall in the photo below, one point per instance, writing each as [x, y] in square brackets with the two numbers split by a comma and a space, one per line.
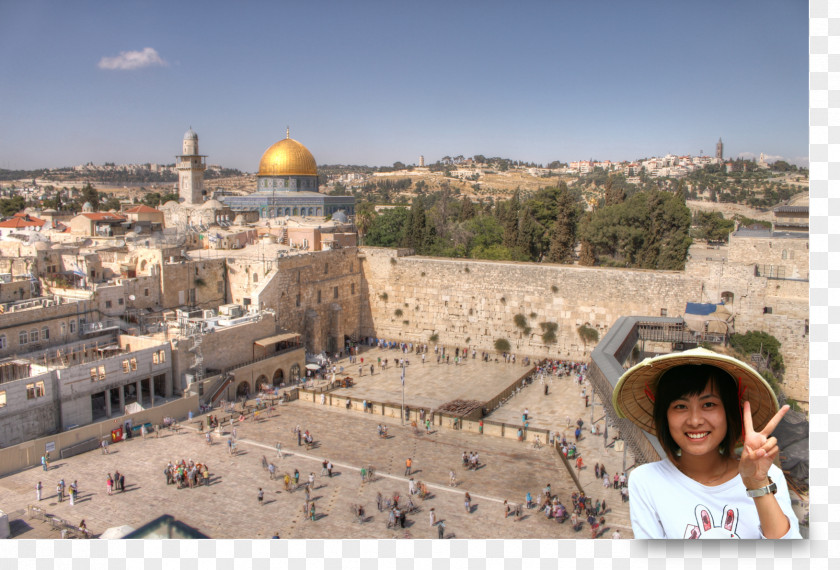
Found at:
[390, 293]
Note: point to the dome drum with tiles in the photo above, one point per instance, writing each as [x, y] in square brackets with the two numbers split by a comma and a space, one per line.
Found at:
[287, 185]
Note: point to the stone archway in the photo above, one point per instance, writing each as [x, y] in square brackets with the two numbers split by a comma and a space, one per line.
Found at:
[243, 389]
[262, 380]
[278, 377]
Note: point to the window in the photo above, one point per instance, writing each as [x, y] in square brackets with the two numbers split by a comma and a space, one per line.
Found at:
[155, 358]
[219, 286]
[326, 268]
[335, 292]
[93, 374]
[256, 277]
[146, 292]
[63, 328]
[33, 335]
[2, 341]
[23, 337]
[120, 301]
[768, 310]
[72, 326]
[352, 288]
[319, 295]
[784, 254]
[35, 390]
[45, 333]
[162, 356]
[791, 255]
[133, 364]
[102, 372]
[297, 300]
[3, 399]
[107, 304]
[125, 366]
[663, 312]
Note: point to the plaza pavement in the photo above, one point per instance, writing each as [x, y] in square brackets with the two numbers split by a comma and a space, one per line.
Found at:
[228, 508]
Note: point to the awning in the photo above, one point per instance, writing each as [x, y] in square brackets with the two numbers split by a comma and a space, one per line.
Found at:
[268, 341]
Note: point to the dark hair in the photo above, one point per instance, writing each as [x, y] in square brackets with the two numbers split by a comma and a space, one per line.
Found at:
[691, 380]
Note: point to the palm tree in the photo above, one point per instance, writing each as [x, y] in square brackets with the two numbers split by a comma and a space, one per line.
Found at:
[365, 213]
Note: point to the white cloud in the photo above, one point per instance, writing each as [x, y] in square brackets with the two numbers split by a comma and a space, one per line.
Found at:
[133, 60]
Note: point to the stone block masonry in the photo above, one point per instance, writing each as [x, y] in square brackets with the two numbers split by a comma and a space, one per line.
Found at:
[475, 302]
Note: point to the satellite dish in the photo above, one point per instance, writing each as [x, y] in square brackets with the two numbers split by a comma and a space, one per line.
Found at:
[131, 297]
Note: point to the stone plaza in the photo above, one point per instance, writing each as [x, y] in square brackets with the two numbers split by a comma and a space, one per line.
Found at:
[228, 507]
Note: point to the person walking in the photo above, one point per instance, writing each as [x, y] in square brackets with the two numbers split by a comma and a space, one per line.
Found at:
[451, 478]
[279, 452]
[109, 484]
[467, 503]
[122, 482]
[432, 517]
[260, 497]
[408, 466]
[329, 469]
[441, 528]
[38, 489]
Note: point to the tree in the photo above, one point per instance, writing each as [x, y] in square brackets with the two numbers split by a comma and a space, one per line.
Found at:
[563, 235]
[365, 213]
[89, 194]
[11, 206]
[399, 165]
[388, 228]
[111, 203]
[502, 345]
[614, 191]
[587, 254]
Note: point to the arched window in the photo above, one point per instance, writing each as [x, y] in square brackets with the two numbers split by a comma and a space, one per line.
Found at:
[45, 333]
[23, 338]
[727, 297]
[33, 335]
[784, 254]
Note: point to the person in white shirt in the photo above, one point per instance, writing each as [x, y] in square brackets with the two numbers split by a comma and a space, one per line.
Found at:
[692, 402]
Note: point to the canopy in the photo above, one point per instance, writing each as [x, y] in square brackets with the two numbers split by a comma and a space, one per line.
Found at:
[268, 341]
[312, 367]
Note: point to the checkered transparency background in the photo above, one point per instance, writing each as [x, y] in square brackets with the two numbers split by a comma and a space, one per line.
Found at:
[549, 554]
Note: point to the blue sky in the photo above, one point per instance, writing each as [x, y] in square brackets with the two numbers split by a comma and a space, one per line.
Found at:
[378, 82]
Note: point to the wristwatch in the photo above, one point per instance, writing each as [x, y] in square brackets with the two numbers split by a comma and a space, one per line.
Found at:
[755, 493]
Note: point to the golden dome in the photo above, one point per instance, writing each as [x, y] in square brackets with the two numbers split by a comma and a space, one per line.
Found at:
[287, 158]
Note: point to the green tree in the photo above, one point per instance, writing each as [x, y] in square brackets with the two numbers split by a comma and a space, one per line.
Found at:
[11, 206]
[89, 194]
[365, 214]
[388, 228]
[759, 342]
[614, 191]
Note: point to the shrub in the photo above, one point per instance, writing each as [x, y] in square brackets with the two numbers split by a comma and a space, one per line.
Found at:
[502, 345]
[384, 296]
[549, 337]
[554, 288]
[393, 261]
[433, 337]
[398, 313]
[520, 321]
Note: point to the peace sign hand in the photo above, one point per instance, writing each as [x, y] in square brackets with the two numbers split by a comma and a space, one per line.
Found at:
[760, 450]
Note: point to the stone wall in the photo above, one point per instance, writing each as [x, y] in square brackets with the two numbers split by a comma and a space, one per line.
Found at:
[23, 418]
[410, 298]
[478, 300]
[317, 294]
[206, 277]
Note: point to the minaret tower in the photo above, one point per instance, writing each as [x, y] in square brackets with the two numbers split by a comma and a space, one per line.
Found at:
[191, 169]
[719, 149]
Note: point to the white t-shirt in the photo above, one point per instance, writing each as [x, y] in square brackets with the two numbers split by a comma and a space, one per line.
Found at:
[665, 503]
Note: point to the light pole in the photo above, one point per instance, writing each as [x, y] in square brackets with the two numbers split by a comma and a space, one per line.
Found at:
[402, 415]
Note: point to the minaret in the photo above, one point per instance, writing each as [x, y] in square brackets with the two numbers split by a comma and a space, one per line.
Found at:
[191, 169]
[719, 149]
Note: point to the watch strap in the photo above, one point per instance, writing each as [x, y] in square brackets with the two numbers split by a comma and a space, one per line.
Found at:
[760, 492]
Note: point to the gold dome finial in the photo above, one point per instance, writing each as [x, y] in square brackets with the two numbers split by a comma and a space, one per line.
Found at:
[287, 132]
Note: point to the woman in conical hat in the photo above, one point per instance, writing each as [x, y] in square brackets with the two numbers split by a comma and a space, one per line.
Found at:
[701, 405]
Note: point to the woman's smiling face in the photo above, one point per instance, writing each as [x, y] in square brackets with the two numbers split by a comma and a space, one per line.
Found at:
[698, 423]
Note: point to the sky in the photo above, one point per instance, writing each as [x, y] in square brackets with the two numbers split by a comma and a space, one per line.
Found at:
[375, 82]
